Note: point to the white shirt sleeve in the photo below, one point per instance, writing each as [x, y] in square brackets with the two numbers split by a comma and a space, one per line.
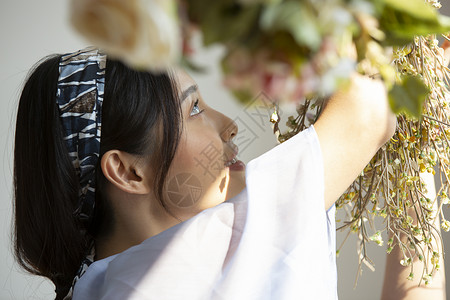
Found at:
[273, 241]
[287, 249]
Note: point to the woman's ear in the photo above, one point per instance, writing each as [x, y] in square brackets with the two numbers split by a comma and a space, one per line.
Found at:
[120, 169]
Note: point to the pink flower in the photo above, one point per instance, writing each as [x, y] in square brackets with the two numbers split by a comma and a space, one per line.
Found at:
[260, 72]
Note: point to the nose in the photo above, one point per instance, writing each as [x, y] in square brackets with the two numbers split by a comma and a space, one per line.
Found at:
[229, 129]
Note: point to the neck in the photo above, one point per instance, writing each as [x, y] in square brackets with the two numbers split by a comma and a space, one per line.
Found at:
[132, 227]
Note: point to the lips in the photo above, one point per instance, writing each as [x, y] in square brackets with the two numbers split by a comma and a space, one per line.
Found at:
[237, 165]
[233, 159]
[230, 162]
[234, 164]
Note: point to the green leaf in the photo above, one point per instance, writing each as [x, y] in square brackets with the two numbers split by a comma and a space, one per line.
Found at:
[415, 8]
[408, 96]
[243, 96]
[224, 21]
[297, 18]
[401, 20]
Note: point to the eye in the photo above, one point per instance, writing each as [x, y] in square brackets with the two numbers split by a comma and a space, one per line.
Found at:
[195, 109]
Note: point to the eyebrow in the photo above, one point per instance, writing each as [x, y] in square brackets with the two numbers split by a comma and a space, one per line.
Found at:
[192, 89]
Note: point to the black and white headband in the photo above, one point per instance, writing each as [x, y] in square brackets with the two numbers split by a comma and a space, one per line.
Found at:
[79, 98]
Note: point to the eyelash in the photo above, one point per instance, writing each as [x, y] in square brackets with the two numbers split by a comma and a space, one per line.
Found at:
[195, 104]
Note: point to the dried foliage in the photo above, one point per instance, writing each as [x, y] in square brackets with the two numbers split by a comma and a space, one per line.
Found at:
[390, 187]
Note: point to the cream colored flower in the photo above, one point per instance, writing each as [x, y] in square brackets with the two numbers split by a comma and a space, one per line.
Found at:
[445, 225]
[377, 238]
[142, 33]
[428, 279]
[405, 262]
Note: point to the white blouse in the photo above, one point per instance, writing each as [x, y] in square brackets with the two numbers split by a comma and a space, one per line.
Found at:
[272, 241]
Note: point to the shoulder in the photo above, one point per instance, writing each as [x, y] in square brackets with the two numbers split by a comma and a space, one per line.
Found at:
[88, 286]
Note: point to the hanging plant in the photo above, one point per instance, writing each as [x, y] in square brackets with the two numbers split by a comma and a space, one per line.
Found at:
[302, 51]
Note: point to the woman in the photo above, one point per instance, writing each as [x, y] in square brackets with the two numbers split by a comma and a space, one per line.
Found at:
[134, 175]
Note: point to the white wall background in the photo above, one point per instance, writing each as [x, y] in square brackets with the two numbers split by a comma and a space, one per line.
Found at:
[30, 30]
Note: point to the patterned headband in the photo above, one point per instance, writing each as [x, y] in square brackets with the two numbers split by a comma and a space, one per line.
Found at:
[79, 97]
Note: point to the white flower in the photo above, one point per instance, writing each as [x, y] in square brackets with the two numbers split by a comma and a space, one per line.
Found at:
[405, 262]
[329, 82]
[142, 33]
[444, 198]
[377, 238]
[428, 279]
[445, 225]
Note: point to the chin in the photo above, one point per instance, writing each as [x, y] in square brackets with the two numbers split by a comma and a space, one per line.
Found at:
[236, 184]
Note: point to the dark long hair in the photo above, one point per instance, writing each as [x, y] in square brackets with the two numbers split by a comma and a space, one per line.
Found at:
[141, 115]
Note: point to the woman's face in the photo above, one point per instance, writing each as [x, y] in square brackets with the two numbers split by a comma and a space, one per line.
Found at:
[201, 174]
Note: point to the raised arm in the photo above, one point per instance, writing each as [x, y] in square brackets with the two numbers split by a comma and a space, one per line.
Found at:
[354, 124]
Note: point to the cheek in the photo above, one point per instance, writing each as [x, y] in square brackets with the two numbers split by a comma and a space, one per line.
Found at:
[196, 175]
[200, 154]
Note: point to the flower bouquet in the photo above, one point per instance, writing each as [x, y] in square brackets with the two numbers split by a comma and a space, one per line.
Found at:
[301, 51]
